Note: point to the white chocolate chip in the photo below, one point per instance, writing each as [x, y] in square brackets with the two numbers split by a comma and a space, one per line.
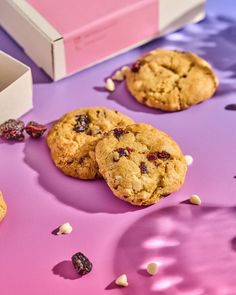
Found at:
[152, 268]
[188, 159]
[116, 156]
[118, 76]
[138, 84]
[125, 70]
[126, 152]
[194, 199]
[128, 191]
[110, 85]
[153, 52]
[65, 228]
[122, 281]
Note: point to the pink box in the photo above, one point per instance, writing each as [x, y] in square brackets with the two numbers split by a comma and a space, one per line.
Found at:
[66, 36]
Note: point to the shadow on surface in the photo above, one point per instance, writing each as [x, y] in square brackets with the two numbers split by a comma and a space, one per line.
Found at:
[65, 270]
[143, 273]
[112, 286]
[92, 196]
[55, 231]
[194, 247]
[233, 244]
[124, 98]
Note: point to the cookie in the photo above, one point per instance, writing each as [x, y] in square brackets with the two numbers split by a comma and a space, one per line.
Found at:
[3, 207]
[140, 164]
[171, 80]
[73, 138]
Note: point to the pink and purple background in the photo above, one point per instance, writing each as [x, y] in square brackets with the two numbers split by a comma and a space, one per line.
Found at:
[195, 246]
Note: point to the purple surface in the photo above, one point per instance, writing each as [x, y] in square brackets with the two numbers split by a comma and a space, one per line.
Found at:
[195, 246]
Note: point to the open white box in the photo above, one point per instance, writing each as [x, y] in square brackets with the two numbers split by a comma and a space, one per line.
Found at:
[15, 88]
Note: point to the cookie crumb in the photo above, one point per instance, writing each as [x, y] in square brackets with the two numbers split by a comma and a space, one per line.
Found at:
[195, 200]
[110, 85]
[65, 228]
[3, 207]
[118, 76]
[122, 281]
[188, 159]
[152, 268]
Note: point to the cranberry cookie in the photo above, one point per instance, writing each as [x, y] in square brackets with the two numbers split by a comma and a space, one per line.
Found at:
[140, 164]
[73, 138]
[3, 207]
[171, 80]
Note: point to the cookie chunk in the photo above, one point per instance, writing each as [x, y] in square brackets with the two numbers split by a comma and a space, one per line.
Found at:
[73, 138]
[3, 207]
[142, 165]
[171, 80]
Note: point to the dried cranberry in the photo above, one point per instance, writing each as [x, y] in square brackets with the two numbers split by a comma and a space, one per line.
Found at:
[144, 99]
[136, 66]
[82, 123]
[118, 132]
[122, 152]
[159, 155]
[35, 130]
[129, 149]
[163, 155]
[98, 131]
[143, 168]
[152, 156]
[81, 263]
[89, 132]
[12, 130]
[81, 161]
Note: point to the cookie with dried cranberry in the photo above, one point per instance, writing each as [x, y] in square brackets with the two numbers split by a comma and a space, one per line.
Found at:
[141, 165]
[73, 138]
[171, 80]
[3, 207]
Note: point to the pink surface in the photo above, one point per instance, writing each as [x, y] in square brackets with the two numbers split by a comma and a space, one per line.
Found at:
[92, 25]
[195, 246]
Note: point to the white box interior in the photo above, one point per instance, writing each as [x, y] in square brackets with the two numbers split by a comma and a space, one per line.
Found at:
[10, 70]
[15, 88]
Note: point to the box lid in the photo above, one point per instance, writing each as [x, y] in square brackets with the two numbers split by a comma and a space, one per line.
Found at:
[94, 30]
[80, 12]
